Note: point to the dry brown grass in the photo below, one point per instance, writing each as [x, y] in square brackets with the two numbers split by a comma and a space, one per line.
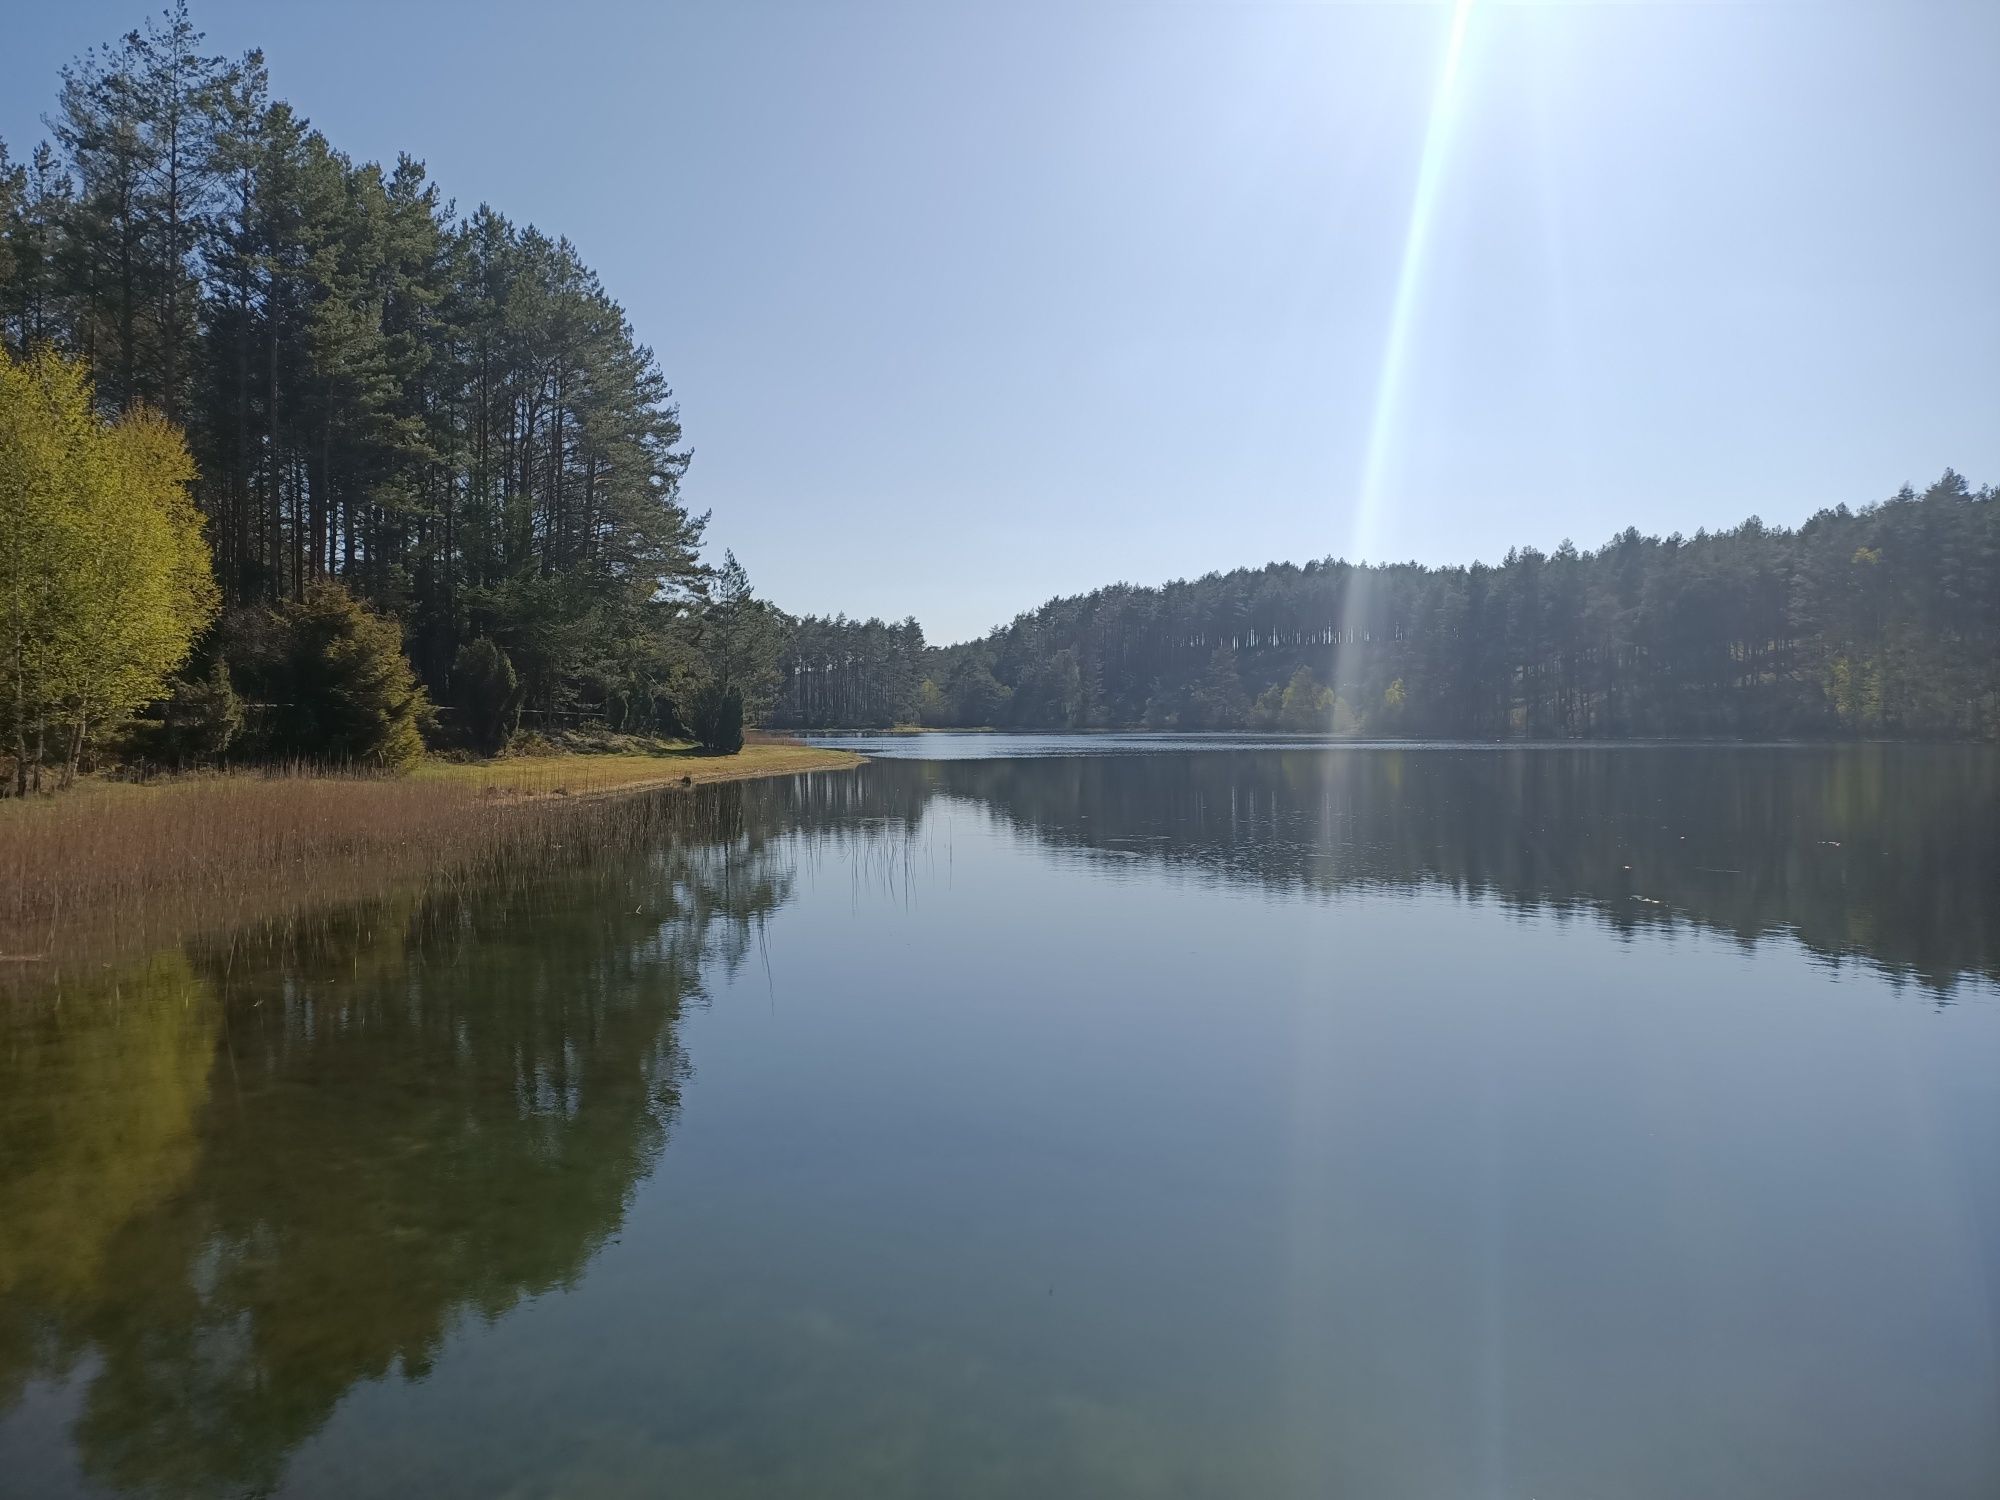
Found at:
[583, 775]
[111, 870]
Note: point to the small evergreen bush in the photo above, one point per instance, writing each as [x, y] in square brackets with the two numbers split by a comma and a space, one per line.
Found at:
[333, 679]
[486, 690]
[715, 718]
[201, 720]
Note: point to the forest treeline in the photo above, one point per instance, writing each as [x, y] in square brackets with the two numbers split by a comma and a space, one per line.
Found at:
[1882, 621]
[445, 416]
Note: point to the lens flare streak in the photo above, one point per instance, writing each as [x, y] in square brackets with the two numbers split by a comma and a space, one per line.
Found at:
[1409, 278]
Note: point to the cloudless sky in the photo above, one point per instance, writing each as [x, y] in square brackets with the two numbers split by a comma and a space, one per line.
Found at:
[969, 303]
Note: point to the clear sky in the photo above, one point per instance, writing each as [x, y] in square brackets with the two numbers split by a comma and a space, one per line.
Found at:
[968, 303]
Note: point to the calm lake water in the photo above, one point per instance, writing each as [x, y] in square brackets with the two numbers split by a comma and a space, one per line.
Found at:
[1180, 1121]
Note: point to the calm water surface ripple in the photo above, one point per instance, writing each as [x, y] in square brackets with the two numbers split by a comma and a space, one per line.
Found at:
[1001, 1120]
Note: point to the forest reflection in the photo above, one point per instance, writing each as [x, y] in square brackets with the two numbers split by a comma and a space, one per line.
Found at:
[241, 1178]
[234, 1184]
[1880, 853]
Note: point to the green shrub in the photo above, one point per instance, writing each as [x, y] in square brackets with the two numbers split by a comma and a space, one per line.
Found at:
[334, 682]
[201, 720]
[715, 717]
[486, 691]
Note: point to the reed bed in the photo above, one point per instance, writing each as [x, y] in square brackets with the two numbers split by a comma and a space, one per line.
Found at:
[111, 871]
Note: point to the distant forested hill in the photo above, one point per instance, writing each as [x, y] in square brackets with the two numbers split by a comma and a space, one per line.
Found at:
[1881, 621]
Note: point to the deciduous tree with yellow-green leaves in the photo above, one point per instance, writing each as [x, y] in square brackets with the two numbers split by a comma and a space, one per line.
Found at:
[104, 575]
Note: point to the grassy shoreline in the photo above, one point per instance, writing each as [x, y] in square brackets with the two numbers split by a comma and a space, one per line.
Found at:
[583, 775]
[115, 869]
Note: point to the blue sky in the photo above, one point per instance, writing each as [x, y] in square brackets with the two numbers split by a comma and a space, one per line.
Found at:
[970, 303]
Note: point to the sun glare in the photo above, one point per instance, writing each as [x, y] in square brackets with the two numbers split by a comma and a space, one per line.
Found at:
[1382, 430]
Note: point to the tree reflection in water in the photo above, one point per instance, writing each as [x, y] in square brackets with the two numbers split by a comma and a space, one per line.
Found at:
[237, 1180]
[1881, 853]
[235, 1184]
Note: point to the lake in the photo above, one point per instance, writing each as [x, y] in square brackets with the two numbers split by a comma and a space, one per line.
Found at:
[1060, 1118]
